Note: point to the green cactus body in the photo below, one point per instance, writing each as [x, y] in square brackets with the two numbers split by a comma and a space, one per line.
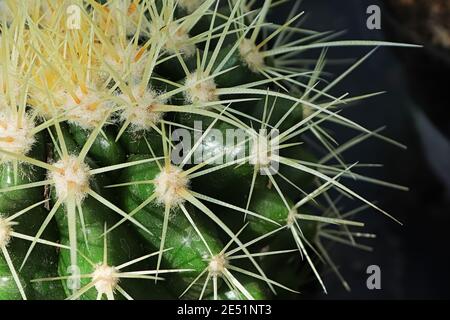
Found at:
[188, 251]
[43, 262]
[105, 151]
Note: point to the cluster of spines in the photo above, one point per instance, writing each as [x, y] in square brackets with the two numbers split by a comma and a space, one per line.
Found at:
[102, 74]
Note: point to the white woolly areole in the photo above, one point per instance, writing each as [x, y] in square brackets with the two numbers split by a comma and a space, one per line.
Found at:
[15, 135]
[72, 178]
[46, 105]
[190, 5]
[105, 278]
[127, 62]
[217, 265]
[204, 91]
[291, 217]
[168, 185]
[5, 232]
[175, 38]
[140, 113]
[90, 110]
[260, 154]
[250, 55]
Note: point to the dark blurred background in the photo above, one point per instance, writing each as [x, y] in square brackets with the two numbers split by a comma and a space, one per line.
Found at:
[414, 258]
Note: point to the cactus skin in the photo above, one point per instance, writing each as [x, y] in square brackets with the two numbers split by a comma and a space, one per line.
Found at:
[102, 104]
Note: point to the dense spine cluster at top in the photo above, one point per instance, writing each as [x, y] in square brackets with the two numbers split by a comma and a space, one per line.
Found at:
[93, 202]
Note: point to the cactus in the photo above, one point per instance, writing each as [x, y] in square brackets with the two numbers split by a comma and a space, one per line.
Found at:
[119, 179]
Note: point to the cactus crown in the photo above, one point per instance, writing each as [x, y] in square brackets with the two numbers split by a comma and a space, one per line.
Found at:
[5, 232]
